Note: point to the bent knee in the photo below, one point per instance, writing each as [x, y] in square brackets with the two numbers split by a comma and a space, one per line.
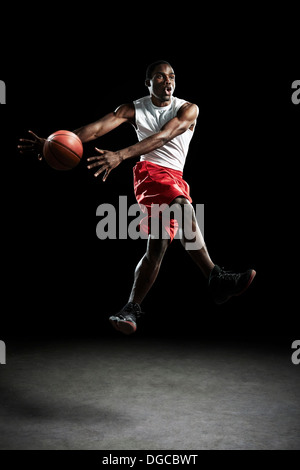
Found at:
[181, 205]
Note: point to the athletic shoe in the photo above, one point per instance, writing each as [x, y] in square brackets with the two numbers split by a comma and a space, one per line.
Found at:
[125, 320]
[224, 284]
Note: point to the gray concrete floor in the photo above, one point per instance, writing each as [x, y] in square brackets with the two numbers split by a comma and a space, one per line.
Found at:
[146, 394]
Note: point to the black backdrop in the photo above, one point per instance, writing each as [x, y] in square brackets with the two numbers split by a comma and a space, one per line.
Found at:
[59, 279]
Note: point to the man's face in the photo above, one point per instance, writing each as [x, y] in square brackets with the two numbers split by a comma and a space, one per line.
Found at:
[162, 83]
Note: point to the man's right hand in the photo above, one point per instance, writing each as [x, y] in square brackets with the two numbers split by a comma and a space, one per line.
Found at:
[36, 145]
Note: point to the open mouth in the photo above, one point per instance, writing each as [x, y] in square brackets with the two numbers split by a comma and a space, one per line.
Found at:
[168, 90]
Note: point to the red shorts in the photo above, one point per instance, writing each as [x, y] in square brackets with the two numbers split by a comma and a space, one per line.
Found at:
[155, 184]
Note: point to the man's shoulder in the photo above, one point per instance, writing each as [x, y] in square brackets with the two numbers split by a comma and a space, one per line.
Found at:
[182, 102]
[189, 112]
[184, 106]
[142, 100]
[125, 111]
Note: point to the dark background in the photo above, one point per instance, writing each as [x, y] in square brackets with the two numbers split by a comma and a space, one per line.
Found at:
[59, 279]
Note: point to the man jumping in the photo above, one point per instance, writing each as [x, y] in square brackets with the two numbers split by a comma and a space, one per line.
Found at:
[165, 126]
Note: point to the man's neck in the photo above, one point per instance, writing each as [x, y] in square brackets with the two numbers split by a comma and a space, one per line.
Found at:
[160, 104]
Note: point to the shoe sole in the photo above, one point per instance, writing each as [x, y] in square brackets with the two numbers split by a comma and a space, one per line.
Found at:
[125, 327]
[253, 274]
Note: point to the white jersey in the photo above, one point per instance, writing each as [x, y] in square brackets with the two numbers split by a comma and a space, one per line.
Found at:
[149, 120]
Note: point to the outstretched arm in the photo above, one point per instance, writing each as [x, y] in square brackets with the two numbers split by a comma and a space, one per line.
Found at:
[124, 113]
[107, 161]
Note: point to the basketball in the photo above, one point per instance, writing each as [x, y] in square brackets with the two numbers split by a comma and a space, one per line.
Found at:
[63, 150]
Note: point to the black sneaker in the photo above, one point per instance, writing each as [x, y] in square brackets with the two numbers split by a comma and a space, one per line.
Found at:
[224, 284]
[125, 320]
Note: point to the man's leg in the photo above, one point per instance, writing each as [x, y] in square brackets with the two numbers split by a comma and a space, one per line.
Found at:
[197, 250]
[145, 274]
[147, 269]
[222, 284]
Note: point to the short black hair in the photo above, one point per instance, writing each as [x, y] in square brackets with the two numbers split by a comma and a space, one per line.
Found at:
[152, 66]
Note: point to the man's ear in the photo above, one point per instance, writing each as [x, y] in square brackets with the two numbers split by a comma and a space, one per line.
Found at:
[147, 83]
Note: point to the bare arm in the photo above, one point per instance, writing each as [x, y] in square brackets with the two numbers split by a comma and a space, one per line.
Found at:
[124, 113]
[184, 120]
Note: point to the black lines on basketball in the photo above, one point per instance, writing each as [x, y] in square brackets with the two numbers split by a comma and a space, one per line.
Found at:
[63, 150]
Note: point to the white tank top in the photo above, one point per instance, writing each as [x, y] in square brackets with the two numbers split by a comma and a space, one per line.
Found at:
[150, 119]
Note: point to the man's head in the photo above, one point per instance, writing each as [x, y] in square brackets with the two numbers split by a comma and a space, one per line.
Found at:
[160, 80]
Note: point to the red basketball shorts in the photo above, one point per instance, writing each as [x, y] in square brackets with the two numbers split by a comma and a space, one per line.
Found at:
[157, 185]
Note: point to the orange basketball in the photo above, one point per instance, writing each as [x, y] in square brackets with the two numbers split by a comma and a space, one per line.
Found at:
[63, 150]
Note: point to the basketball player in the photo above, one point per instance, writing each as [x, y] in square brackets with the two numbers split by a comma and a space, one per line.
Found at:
[165, 126]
